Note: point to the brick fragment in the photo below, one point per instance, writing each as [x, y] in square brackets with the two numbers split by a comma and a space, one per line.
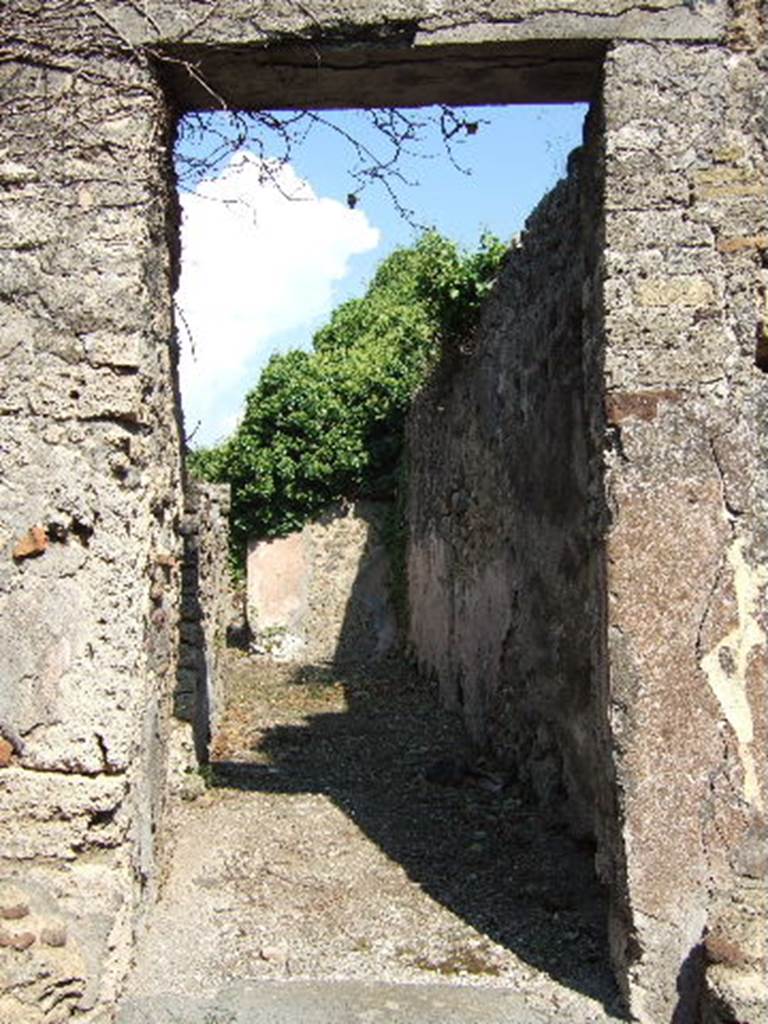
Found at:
[722, 950]
[16, 940]
[729, 245]
[14, 911]
[33, 543]
[642, 405]
[6, 753]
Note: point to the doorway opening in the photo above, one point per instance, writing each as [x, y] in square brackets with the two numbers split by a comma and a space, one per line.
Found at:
[430, 820]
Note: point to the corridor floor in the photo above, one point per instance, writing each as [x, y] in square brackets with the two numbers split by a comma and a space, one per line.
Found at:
[321, 875]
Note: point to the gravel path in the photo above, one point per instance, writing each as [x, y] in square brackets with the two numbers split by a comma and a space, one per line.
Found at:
[322, 852]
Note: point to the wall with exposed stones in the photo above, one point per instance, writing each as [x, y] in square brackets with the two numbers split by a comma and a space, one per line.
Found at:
[686, 219]
[503, 532]
[90, 504]
[633, 628]
[90, 487]
[206, 608]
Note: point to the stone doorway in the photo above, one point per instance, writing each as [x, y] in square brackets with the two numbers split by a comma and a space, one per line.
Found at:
[91, 499]
[278, 950]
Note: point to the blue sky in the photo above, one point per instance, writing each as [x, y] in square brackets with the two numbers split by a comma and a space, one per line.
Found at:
[260, 272]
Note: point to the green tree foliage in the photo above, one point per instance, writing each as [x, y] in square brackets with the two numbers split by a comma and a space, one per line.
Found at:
[328, 424]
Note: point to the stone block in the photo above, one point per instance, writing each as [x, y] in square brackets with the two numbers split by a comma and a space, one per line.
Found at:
[103, 348]
[682, 291]
[14, 173]
[54, 935]
[666, 229]
[725, 182]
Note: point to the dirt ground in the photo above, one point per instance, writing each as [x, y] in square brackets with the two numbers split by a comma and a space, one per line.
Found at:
[321, 850]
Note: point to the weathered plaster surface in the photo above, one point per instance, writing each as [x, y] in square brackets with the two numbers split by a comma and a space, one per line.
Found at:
[502, 557]
[322, 594]
[90, 457]
[727, 665]
[685, 207]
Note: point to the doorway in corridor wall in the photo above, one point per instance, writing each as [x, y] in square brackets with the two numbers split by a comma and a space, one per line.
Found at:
[354, 829]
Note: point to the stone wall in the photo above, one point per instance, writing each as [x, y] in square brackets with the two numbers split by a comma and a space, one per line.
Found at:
[89, 503]
[634, 626]
[206, 608]
[502, 557]
[686, 220]
[90, 484]
[322, 595]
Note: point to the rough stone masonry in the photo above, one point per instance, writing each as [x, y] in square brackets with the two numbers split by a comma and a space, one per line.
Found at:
[672, 333]
[587, 562]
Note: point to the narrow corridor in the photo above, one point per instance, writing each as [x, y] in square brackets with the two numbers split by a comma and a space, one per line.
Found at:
[320, 852]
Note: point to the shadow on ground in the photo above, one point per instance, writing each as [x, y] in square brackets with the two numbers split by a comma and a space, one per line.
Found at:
[478, 847]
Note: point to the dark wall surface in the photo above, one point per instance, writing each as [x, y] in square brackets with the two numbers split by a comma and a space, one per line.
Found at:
[503, 539]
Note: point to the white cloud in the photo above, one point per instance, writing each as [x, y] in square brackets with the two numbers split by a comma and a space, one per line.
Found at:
[260, 255]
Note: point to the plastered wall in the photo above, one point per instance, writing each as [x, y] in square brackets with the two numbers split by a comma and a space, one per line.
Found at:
[321, 595]
[504, 537]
